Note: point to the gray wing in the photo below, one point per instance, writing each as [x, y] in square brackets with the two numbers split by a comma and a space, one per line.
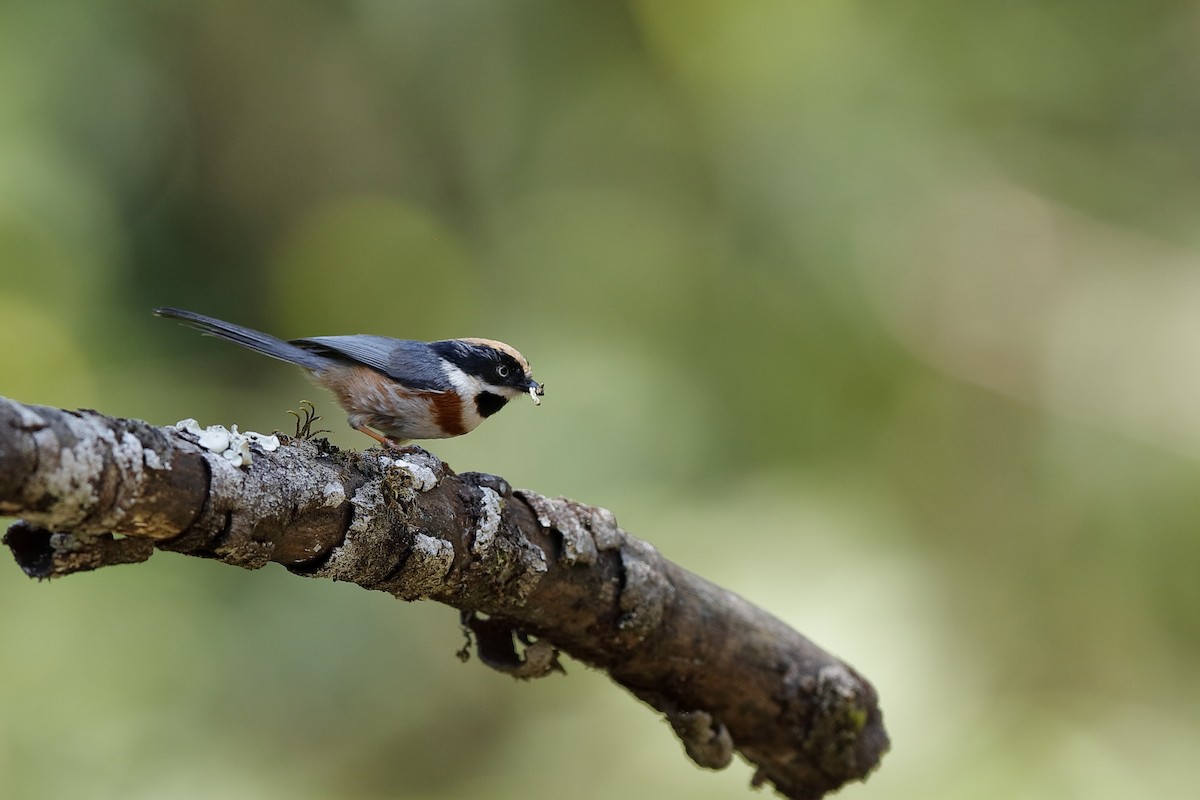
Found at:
[407, 362]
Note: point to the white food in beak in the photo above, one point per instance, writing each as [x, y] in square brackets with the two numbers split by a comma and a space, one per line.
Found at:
[533, 395]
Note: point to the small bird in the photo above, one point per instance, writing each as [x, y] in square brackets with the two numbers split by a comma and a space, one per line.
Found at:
[394, 390]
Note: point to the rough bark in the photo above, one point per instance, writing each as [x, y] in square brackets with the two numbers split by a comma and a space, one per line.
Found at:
[532, 575]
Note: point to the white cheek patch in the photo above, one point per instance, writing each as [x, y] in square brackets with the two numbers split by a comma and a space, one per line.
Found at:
[465, 385]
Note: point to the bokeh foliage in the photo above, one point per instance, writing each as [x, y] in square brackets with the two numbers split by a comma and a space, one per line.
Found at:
[884, 315]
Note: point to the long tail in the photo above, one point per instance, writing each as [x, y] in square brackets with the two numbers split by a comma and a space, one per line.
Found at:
[247, 337]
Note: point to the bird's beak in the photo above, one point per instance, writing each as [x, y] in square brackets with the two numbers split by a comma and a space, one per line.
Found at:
[536, 390]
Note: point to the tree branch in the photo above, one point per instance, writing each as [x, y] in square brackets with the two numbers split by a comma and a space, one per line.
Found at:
[531, 575]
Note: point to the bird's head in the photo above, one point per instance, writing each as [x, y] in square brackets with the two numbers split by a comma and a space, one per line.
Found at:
[490, 372]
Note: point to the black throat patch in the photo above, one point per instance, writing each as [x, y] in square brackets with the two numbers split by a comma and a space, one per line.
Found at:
[487, 403]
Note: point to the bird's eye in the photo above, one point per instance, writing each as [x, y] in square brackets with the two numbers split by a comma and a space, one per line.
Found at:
[502, 371]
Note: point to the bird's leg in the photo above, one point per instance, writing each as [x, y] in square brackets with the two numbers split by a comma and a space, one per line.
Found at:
[379, 437]
[394, 445]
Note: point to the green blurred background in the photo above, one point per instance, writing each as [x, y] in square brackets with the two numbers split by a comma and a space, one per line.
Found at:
[886, 316]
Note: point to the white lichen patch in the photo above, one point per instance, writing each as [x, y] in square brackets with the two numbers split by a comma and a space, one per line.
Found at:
[364, 544]
[269, 442]
[426, 568]
[510, 560]
[72, 482]
[334, 493]
[90, 476]
[230, 443]
[128, 453]
[150, 459]
[427, 548]
[215, 439]
[423, 478]
[489, 521]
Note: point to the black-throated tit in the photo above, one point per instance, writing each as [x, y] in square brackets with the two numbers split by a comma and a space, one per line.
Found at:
[394, 390]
